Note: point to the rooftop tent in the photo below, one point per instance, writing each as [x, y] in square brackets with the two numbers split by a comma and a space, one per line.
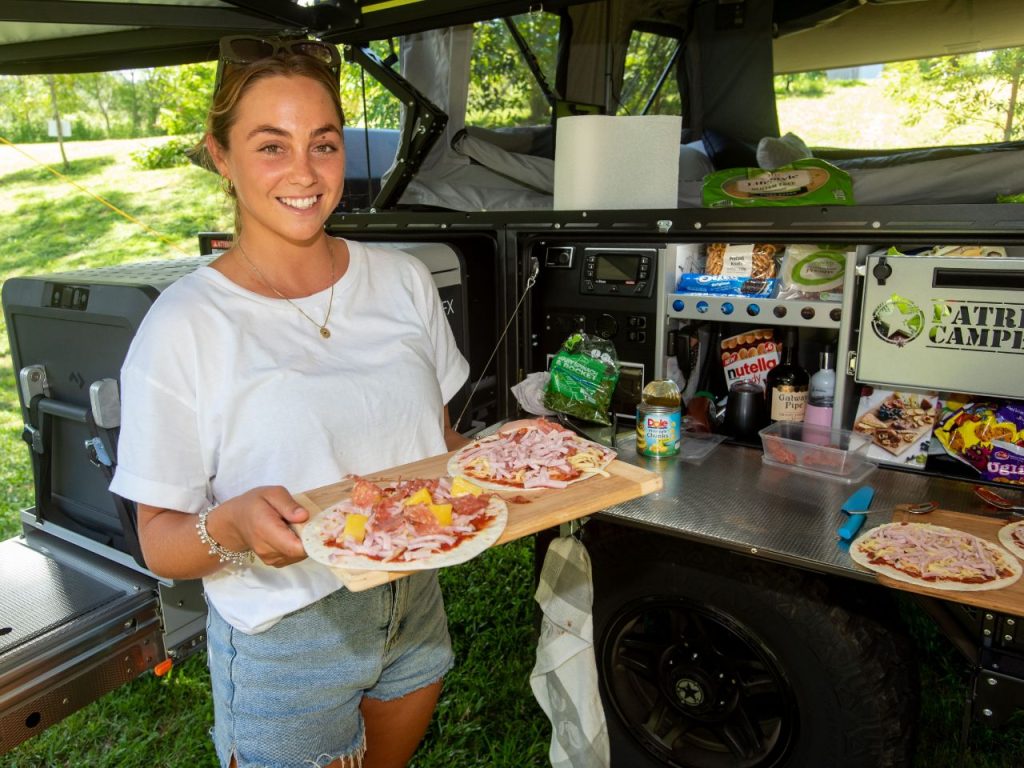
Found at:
[56, 36]
[52, 36]
[891, 30]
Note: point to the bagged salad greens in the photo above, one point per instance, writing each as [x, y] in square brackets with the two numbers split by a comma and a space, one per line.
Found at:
[583, 377]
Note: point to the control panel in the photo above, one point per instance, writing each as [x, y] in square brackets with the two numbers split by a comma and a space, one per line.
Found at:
[617, 271]
[605, 290]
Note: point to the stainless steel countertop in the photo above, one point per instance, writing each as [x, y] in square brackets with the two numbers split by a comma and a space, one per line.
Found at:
[732, 499]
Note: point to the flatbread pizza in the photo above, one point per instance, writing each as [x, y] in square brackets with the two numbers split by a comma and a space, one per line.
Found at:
[1012, 537]
[936, 557]
[409, 525]
[530, 455]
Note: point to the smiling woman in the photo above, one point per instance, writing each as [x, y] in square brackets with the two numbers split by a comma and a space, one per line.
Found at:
[250, 400]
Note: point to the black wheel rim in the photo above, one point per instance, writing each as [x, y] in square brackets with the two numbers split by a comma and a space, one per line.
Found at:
[695, 687]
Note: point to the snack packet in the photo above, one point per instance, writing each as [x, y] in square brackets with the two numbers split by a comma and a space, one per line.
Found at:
[988, 436]
[734, 269]
[583, 377]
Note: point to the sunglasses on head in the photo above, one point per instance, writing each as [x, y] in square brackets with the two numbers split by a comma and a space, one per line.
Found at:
[243, 49]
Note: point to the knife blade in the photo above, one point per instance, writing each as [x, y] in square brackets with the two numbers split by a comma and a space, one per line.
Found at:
[860, 501]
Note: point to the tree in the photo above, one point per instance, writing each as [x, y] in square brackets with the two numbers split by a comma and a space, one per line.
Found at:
[98, 90]
[51, 81]
[981, 88]
[186, 94]
[24, 107]
[502, 89]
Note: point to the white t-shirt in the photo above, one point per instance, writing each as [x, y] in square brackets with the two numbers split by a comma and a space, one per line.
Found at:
[224, 390]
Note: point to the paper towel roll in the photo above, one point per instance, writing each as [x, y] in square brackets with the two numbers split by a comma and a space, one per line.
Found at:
[605, 162]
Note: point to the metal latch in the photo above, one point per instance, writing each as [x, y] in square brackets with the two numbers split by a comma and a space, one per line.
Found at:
[105, 402]
[882, 271]
[97, 453]
[33, 382]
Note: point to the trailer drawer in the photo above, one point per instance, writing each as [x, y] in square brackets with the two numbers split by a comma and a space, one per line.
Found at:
[68, 635]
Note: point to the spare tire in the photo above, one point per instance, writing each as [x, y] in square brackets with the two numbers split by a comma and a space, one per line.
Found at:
[709, 659]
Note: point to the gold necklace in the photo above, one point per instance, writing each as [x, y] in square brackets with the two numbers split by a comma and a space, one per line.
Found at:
[324, 331]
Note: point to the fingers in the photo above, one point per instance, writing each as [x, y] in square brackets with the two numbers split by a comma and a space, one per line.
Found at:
[267, 521]
[285, 505]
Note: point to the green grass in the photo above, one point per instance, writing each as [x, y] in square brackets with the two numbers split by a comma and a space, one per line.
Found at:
[487, 715]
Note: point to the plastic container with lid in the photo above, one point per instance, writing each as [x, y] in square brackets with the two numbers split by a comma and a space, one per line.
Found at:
[839, 453]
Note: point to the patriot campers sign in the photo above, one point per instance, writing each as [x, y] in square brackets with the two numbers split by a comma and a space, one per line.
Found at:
[948, 324]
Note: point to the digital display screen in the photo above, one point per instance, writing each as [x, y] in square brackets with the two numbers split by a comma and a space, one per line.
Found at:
[617, 267]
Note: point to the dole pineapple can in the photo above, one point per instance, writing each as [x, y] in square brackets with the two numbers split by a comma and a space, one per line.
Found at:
[657, 430]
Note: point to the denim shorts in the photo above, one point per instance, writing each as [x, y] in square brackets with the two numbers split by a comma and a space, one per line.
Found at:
[289, 697]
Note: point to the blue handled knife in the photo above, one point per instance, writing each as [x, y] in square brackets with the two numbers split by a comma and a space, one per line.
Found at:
[860, 501]
[849, 529]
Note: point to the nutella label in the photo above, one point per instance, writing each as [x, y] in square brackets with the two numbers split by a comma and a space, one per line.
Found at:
[749, 356]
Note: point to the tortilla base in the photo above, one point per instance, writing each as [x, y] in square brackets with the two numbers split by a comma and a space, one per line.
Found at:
[465, 550]
[861, 558]
[455, 467]
[1006, 538]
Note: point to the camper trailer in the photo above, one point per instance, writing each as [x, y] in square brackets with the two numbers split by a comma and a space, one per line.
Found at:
[730, 629]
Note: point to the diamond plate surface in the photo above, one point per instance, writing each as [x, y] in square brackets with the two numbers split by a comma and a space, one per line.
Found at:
[40, 594]
[732, 499]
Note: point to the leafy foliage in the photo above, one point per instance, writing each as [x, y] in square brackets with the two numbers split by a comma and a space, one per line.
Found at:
[364, 100]
[646, 58]
[802, 84]
[979, 88]
[151, 102]
[502, 90]
[169, 154]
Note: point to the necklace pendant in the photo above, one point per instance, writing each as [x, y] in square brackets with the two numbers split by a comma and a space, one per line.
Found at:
[324, 332]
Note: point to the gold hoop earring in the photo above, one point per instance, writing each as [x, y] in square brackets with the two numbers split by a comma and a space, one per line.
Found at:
[229, 187]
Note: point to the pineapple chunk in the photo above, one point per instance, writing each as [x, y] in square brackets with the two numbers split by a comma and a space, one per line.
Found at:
[355, 527]
[443, 513]
[461, 487]
[422, 496]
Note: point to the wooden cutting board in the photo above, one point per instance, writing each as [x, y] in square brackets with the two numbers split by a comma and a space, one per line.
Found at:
[528, 512]
[1006, 600]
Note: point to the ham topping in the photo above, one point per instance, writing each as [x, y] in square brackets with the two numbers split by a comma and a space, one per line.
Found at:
[933, 554]
[395, 531]
[534, 457]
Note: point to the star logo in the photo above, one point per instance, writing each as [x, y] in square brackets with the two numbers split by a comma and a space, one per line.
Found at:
[689, 692]
[897, 321]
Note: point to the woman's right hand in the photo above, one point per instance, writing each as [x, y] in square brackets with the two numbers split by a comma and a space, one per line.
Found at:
[259, 520]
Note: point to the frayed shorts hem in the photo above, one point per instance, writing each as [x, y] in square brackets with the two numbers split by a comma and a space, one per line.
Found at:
[379, 695]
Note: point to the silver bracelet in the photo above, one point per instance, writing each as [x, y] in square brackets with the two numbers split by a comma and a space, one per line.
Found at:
[225, 555]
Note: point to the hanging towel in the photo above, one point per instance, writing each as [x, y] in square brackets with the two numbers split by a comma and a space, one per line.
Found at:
[564, 679]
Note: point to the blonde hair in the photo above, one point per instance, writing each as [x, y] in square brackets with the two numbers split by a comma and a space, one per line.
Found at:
[238, 79]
